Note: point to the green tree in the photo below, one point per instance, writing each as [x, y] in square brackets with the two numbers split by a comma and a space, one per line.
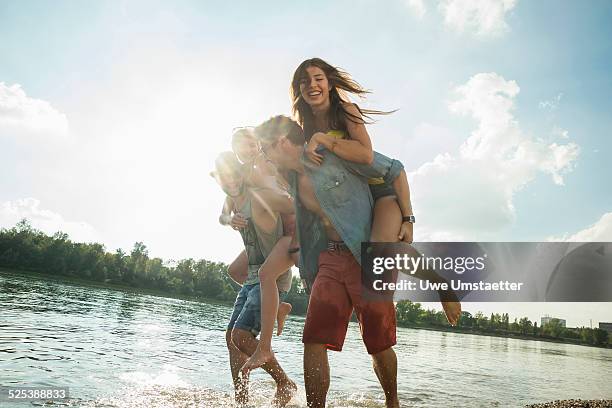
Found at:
[553, 328]
[600, 337]
[525, 325]
[408, 313]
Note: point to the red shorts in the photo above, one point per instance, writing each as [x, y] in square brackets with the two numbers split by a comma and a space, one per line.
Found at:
[335, 292]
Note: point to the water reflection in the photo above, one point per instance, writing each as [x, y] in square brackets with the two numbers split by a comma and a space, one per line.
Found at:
[126, 307]
[554, 352]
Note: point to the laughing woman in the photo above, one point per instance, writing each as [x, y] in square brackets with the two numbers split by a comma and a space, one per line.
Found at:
[321, 106]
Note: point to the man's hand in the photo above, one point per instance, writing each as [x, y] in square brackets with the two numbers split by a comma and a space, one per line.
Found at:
[406, 232]
[238, 221]
[311, 148]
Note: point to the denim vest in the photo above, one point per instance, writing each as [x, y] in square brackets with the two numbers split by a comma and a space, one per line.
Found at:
[341, 188]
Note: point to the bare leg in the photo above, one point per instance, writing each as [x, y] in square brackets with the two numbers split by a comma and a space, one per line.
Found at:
[316, 374]
[238, 269]
[275, 265]
[284, 309]
[285, 388]
[385, 228]
[385, 367]
[237, 359]
[387, 220]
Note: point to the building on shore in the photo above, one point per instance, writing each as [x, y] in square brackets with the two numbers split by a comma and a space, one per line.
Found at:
[548, 319]
[606, 326]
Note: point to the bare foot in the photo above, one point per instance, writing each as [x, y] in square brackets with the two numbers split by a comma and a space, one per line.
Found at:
[284, 393]
[241, 391]
[452, 311]
[283, 311]
[242, 397]
[258, 359]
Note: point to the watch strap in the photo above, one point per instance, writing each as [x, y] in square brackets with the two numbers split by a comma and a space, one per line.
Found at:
[408, 218]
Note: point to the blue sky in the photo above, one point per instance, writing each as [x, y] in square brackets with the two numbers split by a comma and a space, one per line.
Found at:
[111, 112]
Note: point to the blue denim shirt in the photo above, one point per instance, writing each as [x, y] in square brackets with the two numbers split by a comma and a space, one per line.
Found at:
[342, 190]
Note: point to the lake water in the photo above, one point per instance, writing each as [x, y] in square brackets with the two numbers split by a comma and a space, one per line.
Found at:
[122, 349]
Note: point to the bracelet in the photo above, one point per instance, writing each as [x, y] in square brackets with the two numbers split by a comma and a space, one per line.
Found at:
[408, 218]
[293, 250]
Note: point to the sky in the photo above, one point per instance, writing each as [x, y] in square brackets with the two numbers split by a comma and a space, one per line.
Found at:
[111, 114]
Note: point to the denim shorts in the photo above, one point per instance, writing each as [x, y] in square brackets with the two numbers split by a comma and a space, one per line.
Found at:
[247, 309]
[381, 190]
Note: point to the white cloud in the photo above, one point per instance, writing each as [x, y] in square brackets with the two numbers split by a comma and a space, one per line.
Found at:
[552, 104]
[601, 231]
[417, 7]
[484, 17]
[562, 133]
[21, 114]
[47, 221]
[470, 194]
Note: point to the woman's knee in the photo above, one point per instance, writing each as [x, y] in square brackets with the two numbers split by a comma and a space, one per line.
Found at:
[267, 275]
[277, 263]
[232, 270]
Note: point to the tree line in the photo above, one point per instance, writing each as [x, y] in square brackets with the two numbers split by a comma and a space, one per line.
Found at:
[413, 315]
[24, 248]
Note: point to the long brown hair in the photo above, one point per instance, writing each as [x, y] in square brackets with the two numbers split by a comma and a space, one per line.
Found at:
[341, 84]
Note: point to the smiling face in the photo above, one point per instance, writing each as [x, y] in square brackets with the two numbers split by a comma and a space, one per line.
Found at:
[231, 183]
[282, 142]
[282, 153]
[228, 174]
[314, 87]
[245, 147]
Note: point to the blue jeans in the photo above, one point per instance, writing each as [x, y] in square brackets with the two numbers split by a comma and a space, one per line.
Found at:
[247, 309]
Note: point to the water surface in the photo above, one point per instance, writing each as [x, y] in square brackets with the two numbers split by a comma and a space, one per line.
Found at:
[124, 349]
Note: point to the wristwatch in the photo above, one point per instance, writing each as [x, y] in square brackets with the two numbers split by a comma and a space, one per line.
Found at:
[408, 218]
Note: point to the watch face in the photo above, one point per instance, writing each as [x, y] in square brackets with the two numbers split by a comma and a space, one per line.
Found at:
[409, 218]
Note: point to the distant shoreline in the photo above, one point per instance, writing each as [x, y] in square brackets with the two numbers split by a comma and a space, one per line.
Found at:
[124, 288]
[573, 403]
[506, 336]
